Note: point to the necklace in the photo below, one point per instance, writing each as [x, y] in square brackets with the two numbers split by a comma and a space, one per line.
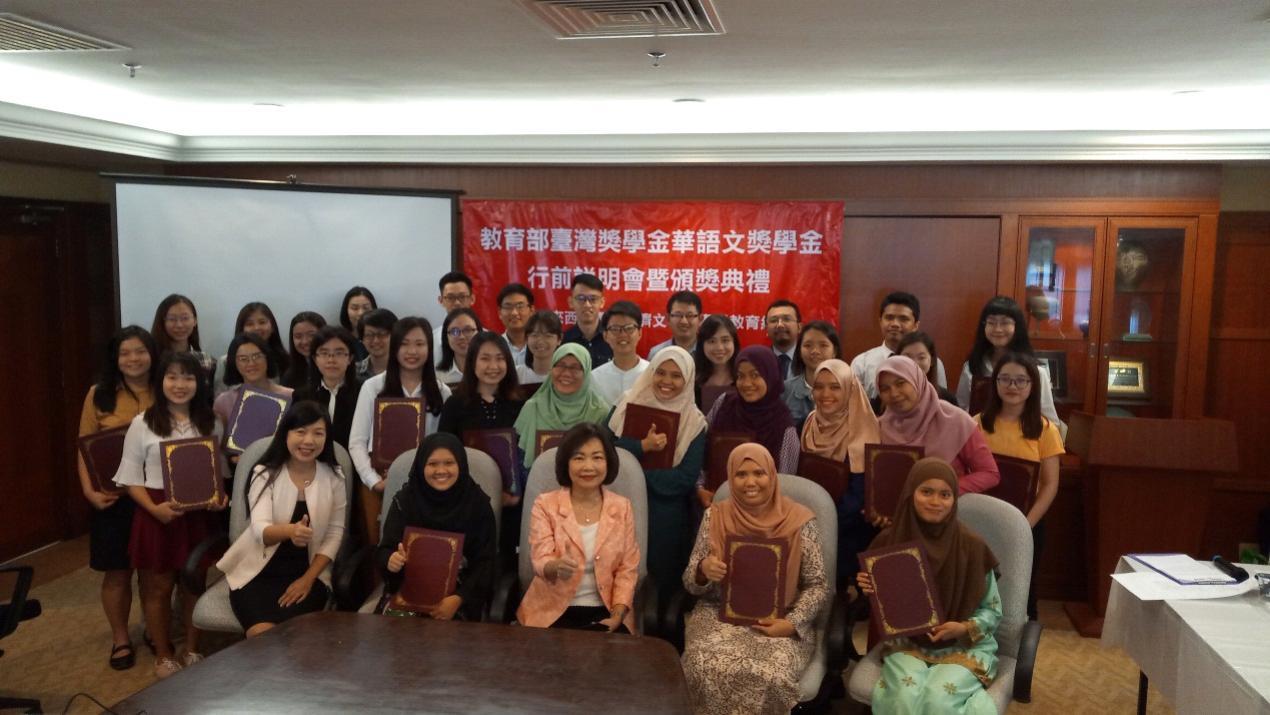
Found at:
[589, 512]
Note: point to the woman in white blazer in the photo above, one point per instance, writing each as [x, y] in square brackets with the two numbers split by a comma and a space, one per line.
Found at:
[280, 567]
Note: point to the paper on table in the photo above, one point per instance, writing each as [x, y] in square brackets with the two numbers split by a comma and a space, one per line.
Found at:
[1151, 586]
[1184, 569]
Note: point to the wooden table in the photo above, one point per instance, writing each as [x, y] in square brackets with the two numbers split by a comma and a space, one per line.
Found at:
[347, 662]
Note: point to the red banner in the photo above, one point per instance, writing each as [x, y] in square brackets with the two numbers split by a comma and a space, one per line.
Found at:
[738, 256]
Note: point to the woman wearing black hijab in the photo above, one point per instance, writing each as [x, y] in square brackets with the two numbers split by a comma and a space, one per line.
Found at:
[441, 495]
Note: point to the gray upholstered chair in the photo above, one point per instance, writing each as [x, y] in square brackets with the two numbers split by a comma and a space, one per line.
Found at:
[1006, 532]
[542, 478]
[484, 471]
[212, 612]
[816, 683]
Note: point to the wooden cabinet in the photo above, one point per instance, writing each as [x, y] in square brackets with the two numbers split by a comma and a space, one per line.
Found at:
[1109, 303]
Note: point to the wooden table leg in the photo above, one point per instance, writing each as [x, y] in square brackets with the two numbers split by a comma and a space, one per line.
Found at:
[1142, 693]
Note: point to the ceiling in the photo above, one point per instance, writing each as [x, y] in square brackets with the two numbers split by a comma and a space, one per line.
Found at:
[792, 80]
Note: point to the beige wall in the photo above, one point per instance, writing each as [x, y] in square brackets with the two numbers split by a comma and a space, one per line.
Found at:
[36, 181]
[1245, 187]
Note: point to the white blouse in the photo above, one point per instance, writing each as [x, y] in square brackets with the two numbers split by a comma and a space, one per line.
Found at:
[361, 435]
[142, 465]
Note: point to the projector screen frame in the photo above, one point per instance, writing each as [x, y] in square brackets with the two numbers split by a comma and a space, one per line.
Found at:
[116, 178]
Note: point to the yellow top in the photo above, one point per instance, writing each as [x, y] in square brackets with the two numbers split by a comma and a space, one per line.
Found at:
[1007, 440]
[92, 420]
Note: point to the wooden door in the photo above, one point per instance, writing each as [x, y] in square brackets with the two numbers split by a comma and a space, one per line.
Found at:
[950, 264]
[30, 476]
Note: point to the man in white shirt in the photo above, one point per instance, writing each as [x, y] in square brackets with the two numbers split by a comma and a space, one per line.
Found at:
[900, 315]
[683, 312]
[515, 305]
[620, 327]
[784, 322]
[455, 291]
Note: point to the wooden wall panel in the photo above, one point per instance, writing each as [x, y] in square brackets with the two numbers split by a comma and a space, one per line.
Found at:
[949, 263]
[1238, 385]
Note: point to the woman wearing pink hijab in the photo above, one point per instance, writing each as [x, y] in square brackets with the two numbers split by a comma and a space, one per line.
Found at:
[915, 416]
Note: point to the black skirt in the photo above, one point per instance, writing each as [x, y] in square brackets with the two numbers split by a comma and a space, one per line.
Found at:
[109, 531]
[257, 602]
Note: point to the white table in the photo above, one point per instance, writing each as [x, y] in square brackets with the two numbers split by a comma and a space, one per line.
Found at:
[1205, 656]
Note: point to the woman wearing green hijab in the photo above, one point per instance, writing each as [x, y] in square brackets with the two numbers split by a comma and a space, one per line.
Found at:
[565, 400]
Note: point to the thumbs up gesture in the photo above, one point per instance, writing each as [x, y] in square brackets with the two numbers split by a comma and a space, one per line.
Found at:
[654, 441]
[300, 532]
[397, 560]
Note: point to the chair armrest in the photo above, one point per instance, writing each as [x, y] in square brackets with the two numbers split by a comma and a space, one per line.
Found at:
[674, 618]
[1028, 642]
[194, 573]
[349, 576]
[646, 602]
[837, 636]
[506, 598]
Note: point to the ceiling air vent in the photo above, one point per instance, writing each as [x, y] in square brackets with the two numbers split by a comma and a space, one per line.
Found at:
[579, 19]
[22, 34]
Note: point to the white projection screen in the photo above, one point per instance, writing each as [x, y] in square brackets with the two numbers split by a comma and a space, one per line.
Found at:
[224, 244]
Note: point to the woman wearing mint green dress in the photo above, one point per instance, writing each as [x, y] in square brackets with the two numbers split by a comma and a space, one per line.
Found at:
[948, 670]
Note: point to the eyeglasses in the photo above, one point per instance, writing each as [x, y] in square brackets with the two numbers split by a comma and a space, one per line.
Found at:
[178, 319]
[461, 332]
[332, 354]
[456, 297]
[585, 299]
[369, 335]
[622, 329]
[999, 322]
[575, 369]
[778, 319]
[684, 316]
[514, 307]
[248, 359]
[1014, 381]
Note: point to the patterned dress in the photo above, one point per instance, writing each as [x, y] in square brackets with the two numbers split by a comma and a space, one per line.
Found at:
[737, 670]
[949, 679]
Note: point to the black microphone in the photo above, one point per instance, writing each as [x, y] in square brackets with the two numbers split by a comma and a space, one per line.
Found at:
[1231, 570]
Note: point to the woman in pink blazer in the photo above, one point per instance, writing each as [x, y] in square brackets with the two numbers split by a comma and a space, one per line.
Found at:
[582, 542]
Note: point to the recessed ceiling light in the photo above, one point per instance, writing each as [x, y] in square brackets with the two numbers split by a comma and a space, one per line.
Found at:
[268, 105]
[1188, 91]
[689, 100]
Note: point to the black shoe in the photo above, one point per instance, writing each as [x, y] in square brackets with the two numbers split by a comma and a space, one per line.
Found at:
[125, 661]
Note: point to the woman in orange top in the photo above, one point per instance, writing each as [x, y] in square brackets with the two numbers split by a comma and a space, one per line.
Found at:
[121, 393]
[582, 541]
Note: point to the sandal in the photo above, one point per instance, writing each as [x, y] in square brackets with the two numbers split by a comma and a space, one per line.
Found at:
[125, 661]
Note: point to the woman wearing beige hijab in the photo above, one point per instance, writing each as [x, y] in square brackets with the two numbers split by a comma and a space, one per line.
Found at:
[754, 669]
[667, 385]
[842, 423]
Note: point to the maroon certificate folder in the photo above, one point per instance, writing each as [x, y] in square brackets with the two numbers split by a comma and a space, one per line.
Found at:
[980, 393]
[1019, 478]
[192, 477]
[831, 474]
[755, 584]
[499, 444]
[638, 419]
[886, 467]
[399, 426]
[432, 569]
[102, 452]
[256, 415]
[905, 600]
[719, 446]
[546, 439]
